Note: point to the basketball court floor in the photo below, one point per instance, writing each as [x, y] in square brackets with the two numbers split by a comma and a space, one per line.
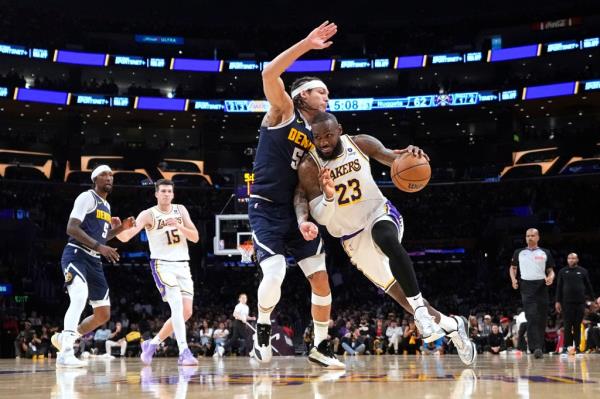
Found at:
[293, 377]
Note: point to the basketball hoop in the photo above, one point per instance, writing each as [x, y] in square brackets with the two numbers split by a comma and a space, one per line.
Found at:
[246, 250]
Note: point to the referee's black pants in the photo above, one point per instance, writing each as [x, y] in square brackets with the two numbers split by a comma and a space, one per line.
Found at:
[572, 318]
[534, 294]
[238, 338]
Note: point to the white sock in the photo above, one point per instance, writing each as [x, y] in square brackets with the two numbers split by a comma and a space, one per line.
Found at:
[176, 303]
[156, 340]
[415, 301]
[321, 328]
[448, 324]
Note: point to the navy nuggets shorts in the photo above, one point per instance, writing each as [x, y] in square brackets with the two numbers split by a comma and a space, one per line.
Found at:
[275, 231]
[77, 262]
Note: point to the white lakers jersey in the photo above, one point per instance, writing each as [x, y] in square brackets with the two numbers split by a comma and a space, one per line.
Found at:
[166, 242]
[358, 198]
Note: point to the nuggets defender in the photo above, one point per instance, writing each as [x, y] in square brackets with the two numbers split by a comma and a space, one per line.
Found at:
[90, 226]
[343, 196]
[284, 138]
[169, 227]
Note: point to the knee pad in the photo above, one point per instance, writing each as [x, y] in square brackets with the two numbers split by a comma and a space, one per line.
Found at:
[273, 268]
[78, 292]
[269, 290]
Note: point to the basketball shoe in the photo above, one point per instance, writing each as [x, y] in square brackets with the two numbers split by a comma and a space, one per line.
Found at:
[187, 359]
[323, 356]
[67, 359]
[467, 351]
[148, 350]
[428, 328]
[262, 343]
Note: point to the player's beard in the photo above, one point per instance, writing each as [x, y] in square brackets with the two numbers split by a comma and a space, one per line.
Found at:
[336, 151]
[107, 188]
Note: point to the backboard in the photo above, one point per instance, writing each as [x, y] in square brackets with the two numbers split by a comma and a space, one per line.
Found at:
[230, 231]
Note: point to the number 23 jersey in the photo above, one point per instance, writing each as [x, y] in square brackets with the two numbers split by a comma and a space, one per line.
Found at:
[358, 199]
[167, 242]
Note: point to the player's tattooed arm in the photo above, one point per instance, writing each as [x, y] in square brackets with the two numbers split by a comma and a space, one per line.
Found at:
[300, 205]
[308, 177]
[373, 148]
[319, 189]
[307, 189]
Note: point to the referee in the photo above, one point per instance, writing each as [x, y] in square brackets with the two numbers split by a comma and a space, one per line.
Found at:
[536, 269]
[241, 317]
[571, 286]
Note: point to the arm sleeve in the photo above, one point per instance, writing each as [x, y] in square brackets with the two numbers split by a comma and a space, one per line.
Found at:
[322, 210]
[84, 204]
[549, 260]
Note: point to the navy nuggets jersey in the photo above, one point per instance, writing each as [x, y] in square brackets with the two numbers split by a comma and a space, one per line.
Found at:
[94, 213]
[279, 152]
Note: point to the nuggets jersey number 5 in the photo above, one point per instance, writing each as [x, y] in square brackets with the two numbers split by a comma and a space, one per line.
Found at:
[166, 242]
[358, 198]
[280, 149]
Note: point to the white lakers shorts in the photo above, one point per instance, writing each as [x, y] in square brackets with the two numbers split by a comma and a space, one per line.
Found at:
[172, 274]
[366, 255]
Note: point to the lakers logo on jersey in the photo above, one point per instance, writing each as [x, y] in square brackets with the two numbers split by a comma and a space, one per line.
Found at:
[352, 166]
[161, 223]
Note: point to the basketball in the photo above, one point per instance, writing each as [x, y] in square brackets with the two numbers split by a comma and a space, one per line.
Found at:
[409, 173]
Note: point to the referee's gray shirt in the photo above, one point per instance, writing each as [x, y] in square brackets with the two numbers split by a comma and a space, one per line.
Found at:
[532, 263]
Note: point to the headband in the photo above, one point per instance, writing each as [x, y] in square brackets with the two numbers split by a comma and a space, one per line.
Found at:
[311, 84]
[100, 169]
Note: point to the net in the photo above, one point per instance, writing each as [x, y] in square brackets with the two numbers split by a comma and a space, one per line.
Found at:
[246, 250]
